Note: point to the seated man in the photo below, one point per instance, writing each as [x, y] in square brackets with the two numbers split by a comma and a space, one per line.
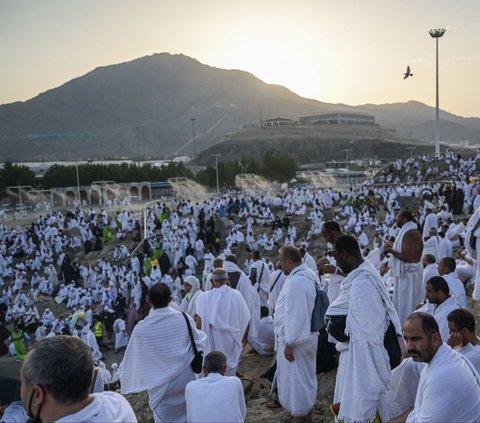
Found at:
[438, 296]
[429, 268]
[461, 324]
[215, 398]
[464, 268]
[405, 378]
[446, 268]
[264, 342]
[56, 381]
[449, 388]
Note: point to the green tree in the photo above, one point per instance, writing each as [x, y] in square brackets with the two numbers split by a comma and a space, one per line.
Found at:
[64, 176]
[13, 175]
[207, 177]
[279, 167]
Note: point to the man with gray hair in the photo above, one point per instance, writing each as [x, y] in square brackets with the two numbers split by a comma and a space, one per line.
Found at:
[215, 398]
[224, 316]
[57, 378]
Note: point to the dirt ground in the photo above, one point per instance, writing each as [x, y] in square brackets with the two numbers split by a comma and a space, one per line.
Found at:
[257, 394]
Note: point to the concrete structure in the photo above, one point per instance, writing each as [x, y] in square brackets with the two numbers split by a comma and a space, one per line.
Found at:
[98, 193]
[268, 123]
[339, 118]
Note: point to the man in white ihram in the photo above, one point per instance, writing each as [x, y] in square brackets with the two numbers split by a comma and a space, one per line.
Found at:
[364, 369]
[405, 265]
[449, 387]
[223, 314]
[296, 345]
[260, 276]
[215, 398]
[158, 357]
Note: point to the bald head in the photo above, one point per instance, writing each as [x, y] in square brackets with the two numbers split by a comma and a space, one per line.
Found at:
[219, 277]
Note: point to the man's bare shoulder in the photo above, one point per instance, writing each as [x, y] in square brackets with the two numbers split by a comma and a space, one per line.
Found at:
[413, 234]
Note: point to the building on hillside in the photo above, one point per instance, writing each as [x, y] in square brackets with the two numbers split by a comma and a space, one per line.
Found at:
[268, 123]
[339, 118]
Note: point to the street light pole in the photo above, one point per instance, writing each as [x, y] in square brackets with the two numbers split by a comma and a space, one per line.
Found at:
[348, 167]
[411, 151]
[216, 168]
[193, 136]
[242, 171]
[137, 134]
[437, 33]
[78, 185]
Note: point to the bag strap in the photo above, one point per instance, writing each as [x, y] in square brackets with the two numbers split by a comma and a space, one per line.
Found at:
[477, 225]
[308, 276]
[190, 333]
[276, 280]
[260, 278]
[94, 380]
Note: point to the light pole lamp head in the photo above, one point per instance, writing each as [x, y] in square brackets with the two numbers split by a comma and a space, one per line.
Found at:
[436, 33]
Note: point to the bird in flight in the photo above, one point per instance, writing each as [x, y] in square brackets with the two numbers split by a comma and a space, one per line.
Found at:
[407, 73]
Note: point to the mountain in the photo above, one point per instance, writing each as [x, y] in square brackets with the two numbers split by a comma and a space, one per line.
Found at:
[416, 120]
[144, 108]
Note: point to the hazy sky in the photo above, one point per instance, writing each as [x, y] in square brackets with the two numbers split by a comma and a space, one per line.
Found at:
[338, 51]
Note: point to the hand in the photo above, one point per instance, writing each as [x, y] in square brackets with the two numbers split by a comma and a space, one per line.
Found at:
[455, 339]
[289, 353]
[388, 247]
[244, 341]
[328, 269]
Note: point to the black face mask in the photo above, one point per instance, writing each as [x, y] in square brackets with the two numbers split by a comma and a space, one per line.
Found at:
[32, 419]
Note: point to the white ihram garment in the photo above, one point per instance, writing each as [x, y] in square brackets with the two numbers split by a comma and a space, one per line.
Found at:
[403, 386]
[449, 390]
[262, 284]
[407, 278]
[225, 318]
[474, 252]
[105, 407]
[364, 369]
[441, 312]
[121, 337]
[457, 289]
[249, 294]
[157, 360]
[296, 381]
[215, 398]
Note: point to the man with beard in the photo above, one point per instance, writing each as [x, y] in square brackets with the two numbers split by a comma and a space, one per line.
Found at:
[405, 265]
[449, 388]
[438, 295]
[56, 382]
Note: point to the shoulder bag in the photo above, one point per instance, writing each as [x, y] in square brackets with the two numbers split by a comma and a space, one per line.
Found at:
[197, 362]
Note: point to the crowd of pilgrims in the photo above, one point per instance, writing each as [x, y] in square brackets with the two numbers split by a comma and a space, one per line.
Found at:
[104, 300]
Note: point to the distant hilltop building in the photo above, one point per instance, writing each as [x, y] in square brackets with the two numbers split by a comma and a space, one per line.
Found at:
[338, 118]
[268, 123]
[333, 118]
